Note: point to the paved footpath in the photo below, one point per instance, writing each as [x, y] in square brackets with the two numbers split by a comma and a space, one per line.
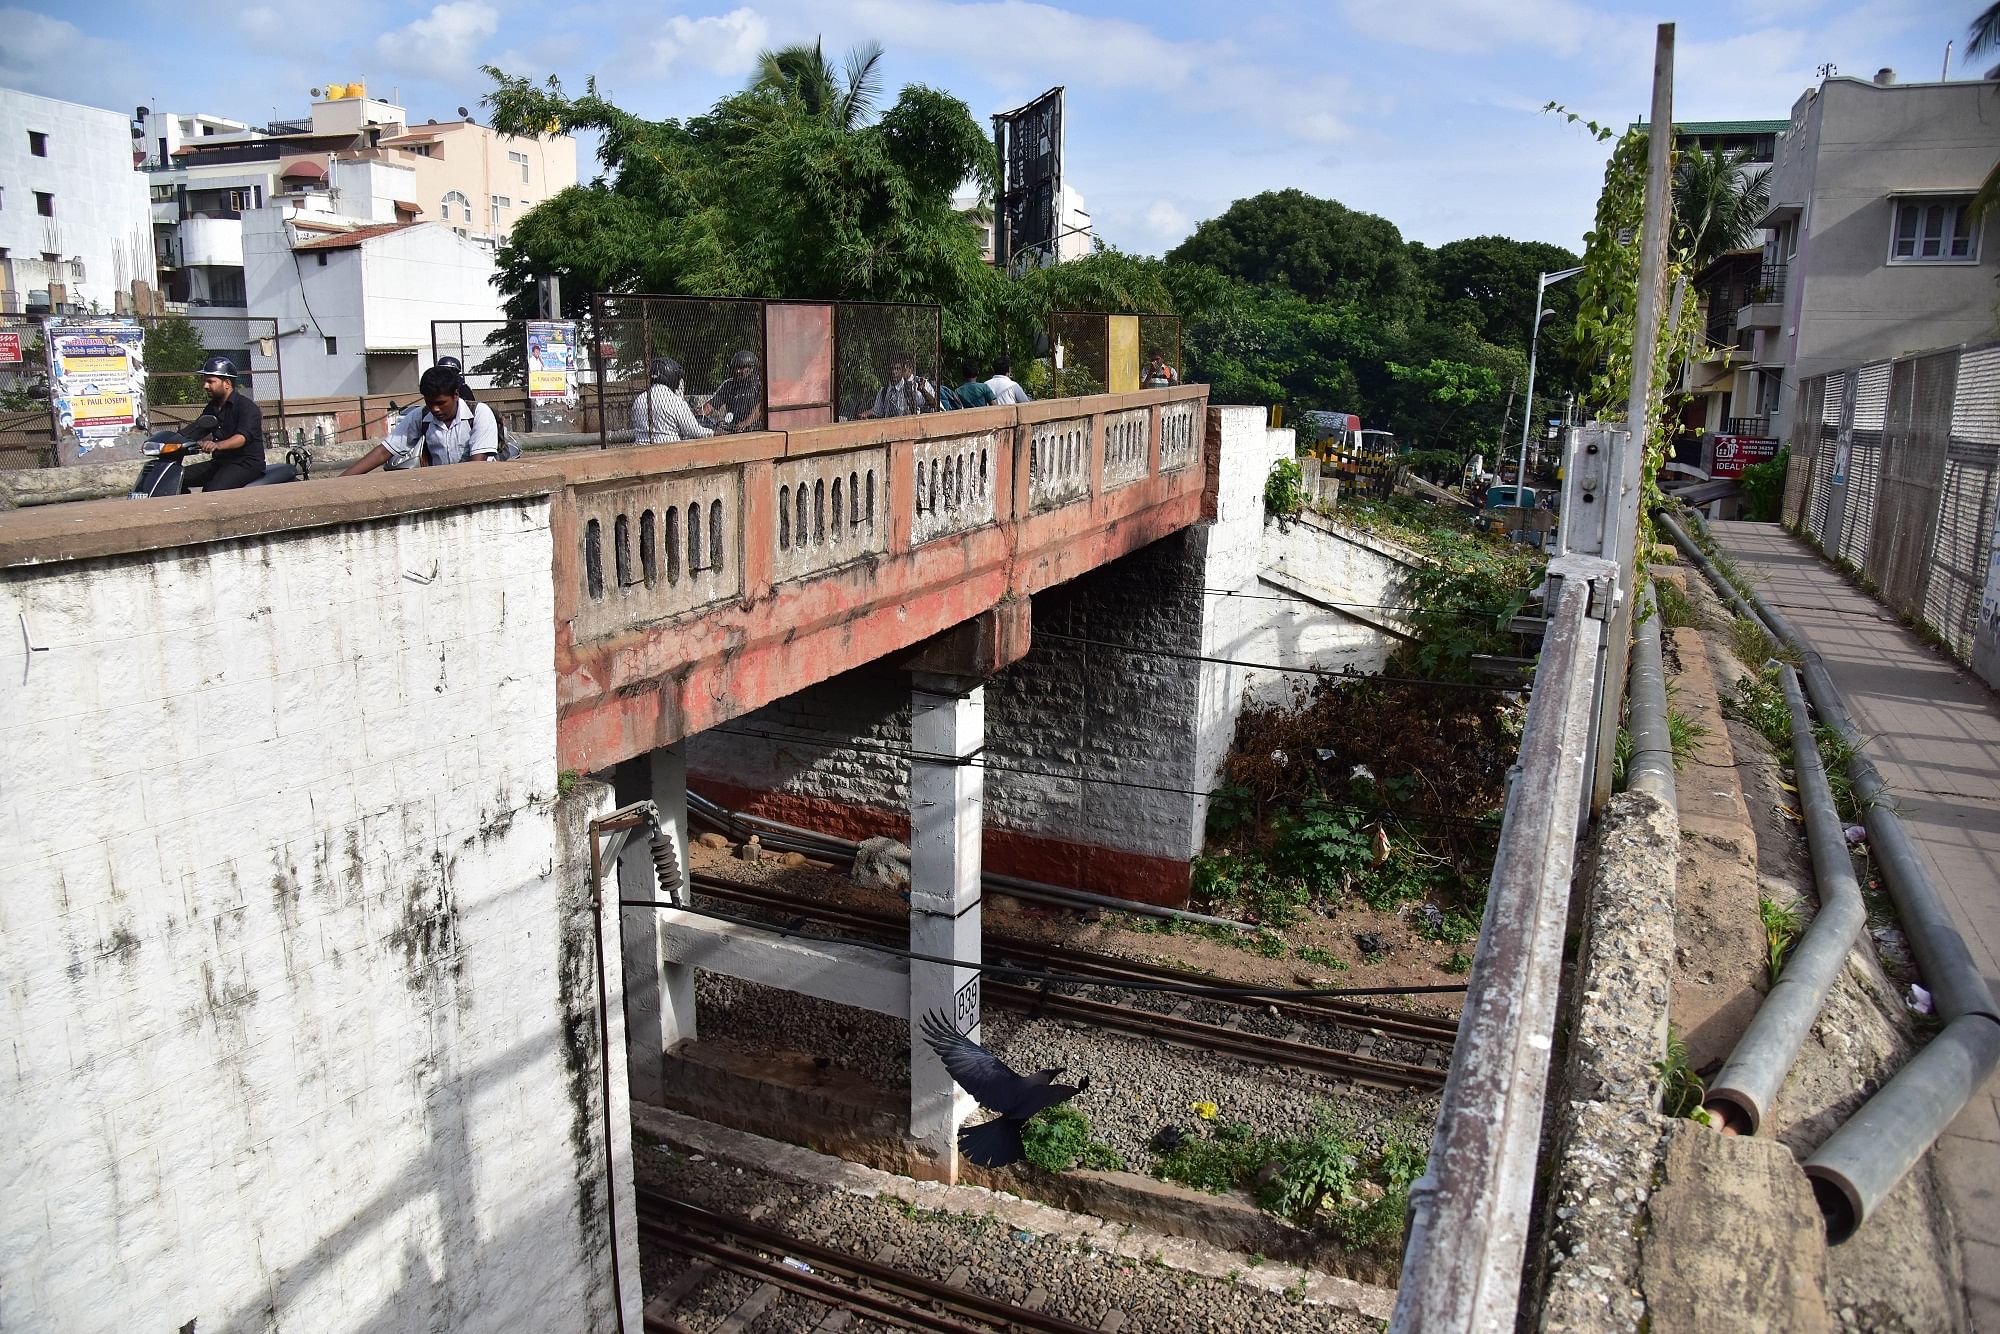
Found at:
[1933, 730]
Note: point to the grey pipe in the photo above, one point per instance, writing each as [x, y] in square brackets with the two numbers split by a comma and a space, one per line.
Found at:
[811, 842]
[1947, 965]
[1651, 768]
[1749, 1082]
[1864, 1159]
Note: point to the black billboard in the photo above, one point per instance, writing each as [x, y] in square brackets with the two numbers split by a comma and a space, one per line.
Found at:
[1029, 141]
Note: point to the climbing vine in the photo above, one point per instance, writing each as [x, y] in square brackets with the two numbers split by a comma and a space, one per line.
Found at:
[1608, 303]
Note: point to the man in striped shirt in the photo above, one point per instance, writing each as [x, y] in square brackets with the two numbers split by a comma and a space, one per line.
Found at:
[661, 415]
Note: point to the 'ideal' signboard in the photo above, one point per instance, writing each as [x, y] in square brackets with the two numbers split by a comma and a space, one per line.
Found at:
[1734, 453]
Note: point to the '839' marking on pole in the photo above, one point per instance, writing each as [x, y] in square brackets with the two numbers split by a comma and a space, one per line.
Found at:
[965, 1007]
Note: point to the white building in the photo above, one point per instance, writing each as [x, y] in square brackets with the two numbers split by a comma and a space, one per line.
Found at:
[354, 292]
[208, 172]
[1073, 231]
[75, 224]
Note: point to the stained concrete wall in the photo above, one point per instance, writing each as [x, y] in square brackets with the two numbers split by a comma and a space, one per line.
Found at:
[296, 950]
[1103, 742]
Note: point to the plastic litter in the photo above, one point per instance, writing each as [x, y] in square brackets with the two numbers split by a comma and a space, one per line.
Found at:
[1856, 834]
[1919, 999]
[799, 1265]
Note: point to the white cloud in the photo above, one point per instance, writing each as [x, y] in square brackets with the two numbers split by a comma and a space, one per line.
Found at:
[1471, 27]
[46, 55]
[447, 40]
[1166, 220]
[722, 44]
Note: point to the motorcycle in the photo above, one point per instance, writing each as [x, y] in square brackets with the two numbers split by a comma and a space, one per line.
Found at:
[167, 457]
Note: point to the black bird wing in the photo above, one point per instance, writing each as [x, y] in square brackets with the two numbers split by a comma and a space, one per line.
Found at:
[982, 1074]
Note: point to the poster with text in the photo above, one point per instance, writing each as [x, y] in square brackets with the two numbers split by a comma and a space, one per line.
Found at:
[1734, 453]
[97, 388]
[552, 362]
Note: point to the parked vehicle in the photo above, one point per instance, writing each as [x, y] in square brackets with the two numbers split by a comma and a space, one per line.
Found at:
[1517, 511]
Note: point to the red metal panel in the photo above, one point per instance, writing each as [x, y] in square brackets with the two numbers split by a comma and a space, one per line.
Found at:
[798, 339]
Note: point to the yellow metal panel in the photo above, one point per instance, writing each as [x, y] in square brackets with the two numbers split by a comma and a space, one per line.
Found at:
[1122, 343]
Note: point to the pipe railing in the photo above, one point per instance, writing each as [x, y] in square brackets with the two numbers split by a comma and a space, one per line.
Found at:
[1469, 1212]
[1864, 1159]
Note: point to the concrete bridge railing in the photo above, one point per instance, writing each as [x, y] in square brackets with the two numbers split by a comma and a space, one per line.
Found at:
[698, 581]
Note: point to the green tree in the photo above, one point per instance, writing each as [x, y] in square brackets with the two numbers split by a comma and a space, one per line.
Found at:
[1317, 248]
[776, 191]
[1717, 201]
[1487, 285]
[173, 352]
[801, 78]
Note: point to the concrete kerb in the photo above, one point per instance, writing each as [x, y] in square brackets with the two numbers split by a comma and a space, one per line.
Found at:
[792, 1163]
[1608, 1145]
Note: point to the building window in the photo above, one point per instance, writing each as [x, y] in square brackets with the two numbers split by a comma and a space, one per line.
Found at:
[238, 200]
[520, 160]
[322, 259]
[1933, 231]
[500, 202]
[38, 143]
[464, 206]
[49, 257]
[45, 203]
[332, 345]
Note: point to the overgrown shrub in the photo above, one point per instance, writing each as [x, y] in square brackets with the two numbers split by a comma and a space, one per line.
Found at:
[1058, 1139]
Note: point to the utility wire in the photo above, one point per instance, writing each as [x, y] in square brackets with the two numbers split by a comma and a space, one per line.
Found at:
[977, 761]
[1045, 976]
[1338, 674]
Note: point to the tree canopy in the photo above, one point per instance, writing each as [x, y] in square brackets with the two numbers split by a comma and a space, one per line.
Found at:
[794, 187]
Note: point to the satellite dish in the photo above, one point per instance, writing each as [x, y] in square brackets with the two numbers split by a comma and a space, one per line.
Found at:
[316, 92]
[463, 114]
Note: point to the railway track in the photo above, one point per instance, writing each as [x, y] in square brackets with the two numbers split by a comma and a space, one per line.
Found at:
[1221, 1038]
[843, 1283]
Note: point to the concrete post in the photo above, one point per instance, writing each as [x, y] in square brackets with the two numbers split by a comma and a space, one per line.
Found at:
[659, 996]
[947, 796]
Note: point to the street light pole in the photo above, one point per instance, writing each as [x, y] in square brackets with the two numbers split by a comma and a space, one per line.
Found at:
[1542, 284]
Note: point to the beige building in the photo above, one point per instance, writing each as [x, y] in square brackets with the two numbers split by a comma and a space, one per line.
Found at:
[477, 181]
[1870, 250]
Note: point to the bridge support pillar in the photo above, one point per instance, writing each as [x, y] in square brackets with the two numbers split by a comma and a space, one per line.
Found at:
[659, 996]
[947, 794]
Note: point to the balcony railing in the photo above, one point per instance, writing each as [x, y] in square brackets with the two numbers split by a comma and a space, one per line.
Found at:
[1766, 286]
[1756, 426]
[1722, 326]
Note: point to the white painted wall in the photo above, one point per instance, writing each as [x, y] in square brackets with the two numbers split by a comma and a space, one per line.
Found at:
[381, 295]
[296, 958]
[103, 214]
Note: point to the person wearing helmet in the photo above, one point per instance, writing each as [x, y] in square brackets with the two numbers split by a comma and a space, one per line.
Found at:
[659, 414]
[739, 404]
[236, 444]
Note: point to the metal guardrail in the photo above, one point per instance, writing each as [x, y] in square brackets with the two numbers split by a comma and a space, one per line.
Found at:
[1469, 1213]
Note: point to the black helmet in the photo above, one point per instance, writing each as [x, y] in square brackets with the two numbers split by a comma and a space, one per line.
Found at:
[744, 358]
[220, 366]
[666, 371]
[451, 363]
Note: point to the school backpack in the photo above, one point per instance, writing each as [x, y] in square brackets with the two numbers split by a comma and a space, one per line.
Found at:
[948, 399]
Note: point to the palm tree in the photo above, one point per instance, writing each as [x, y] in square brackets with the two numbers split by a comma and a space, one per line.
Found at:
[1985, 32]
[1716, 203]
[800, 76]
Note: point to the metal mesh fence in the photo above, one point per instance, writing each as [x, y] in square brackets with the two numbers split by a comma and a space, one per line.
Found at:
[1904, 484]
[1913, 459]
[490, 352]
[1803, 446]
[1079, 354]
[718, 343]
[1159, 336]
[875, 343]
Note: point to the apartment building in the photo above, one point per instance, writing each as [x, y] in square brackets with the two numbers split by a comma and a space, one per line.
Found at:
[75, 224]
[207, 173]
[1870, 251]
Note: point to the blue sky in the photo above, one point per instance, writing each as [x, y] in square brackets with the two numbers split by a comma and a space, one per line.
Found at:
[1424, 111]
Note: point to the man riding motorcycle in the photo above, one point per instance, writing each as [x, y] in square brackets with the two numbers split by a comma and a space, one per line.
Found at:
[236, 444]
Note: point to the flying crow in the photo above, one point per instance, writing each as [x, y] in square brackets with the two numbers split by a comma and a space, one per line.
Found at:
[989, 1079]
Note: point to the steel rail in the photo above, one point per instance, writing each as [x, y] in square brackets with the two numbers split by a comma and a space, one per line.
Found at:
[1434, 1030]
[676, 1216]
[1409, 1024]
[1469, 1212]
